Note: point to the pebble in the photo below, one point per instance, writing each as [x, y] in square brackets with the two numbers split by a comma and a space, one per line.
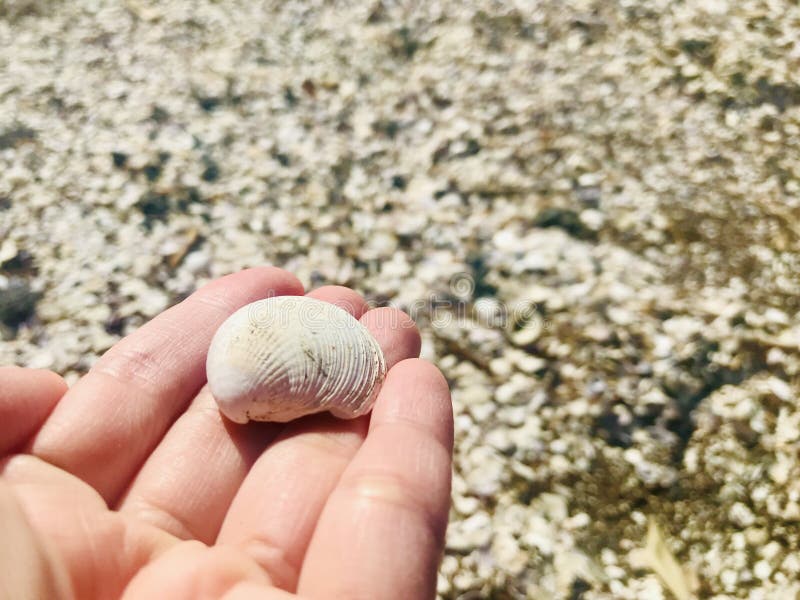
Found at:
[756, 537]
[488, 472]
[729, 578]
[741, 516]
[466, 505]
[473, 532]
[17, 302]
[762, 569]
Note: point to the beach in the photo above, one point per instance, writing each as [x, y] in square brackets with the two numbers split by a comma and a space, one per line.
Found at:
[591, 209]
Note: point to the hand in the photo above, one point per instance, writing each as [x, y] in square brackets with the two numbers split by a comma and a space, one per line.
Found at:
[131, 483]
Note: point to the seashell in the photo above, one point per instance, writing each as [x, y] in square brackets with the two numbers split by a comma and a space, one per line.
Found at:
[284, 357]
[528, 333]
[525, 325]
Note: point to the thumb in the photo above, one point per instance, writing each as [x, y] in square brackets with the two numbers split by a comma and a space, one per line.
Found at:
[26, 567]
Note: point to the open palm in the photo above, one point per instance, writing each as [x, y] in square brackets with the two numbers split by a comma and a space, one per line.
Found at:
[130, 484]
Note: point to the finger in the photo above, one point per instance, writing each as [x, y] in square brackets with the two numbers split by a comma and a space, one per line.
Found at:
[187, 484]
[396, 333]
[26, 398]
[192, 570]
[28, 568]
[97, 551]
[107, 423]
[249, 590]
[274, 513]
[343, 297]
[381, 532]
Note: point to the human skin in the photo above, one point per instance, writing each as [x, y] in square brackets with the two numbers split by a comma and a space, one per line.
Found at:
[131, 484]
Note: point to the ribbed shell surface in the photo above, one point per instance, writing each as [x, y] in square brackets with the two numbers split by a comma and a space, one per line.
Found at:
[284, 357]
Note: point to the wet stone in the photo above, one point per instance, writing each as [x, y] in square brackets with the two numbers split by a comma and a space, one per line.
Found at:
[17, 302]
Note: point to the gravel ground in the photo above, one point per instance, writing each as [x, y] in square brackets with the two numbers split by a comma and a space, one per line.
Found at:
[590, 207]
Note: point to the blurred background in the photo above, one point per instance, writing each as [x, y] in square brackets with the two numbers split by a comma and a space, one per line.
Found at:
[591, 208]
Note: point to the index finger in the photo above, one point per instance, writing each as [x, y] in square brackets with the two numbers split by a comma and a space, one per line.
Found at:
[105, 425]
[26, 398]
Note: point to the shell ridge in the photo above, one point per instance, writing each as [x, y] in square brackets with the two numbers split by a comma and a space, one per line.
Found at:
[338, 360]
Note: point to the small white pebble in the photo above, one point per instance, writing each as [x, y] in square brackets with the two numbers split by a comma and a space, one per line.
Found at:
[762, 570]
[578, 521]
[729, 578]
[741, 516]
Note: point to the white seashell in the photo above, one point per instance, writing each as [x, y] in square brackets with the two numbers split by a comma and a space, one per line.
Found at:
[288, 356]
[525, 325]
[528, 334]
